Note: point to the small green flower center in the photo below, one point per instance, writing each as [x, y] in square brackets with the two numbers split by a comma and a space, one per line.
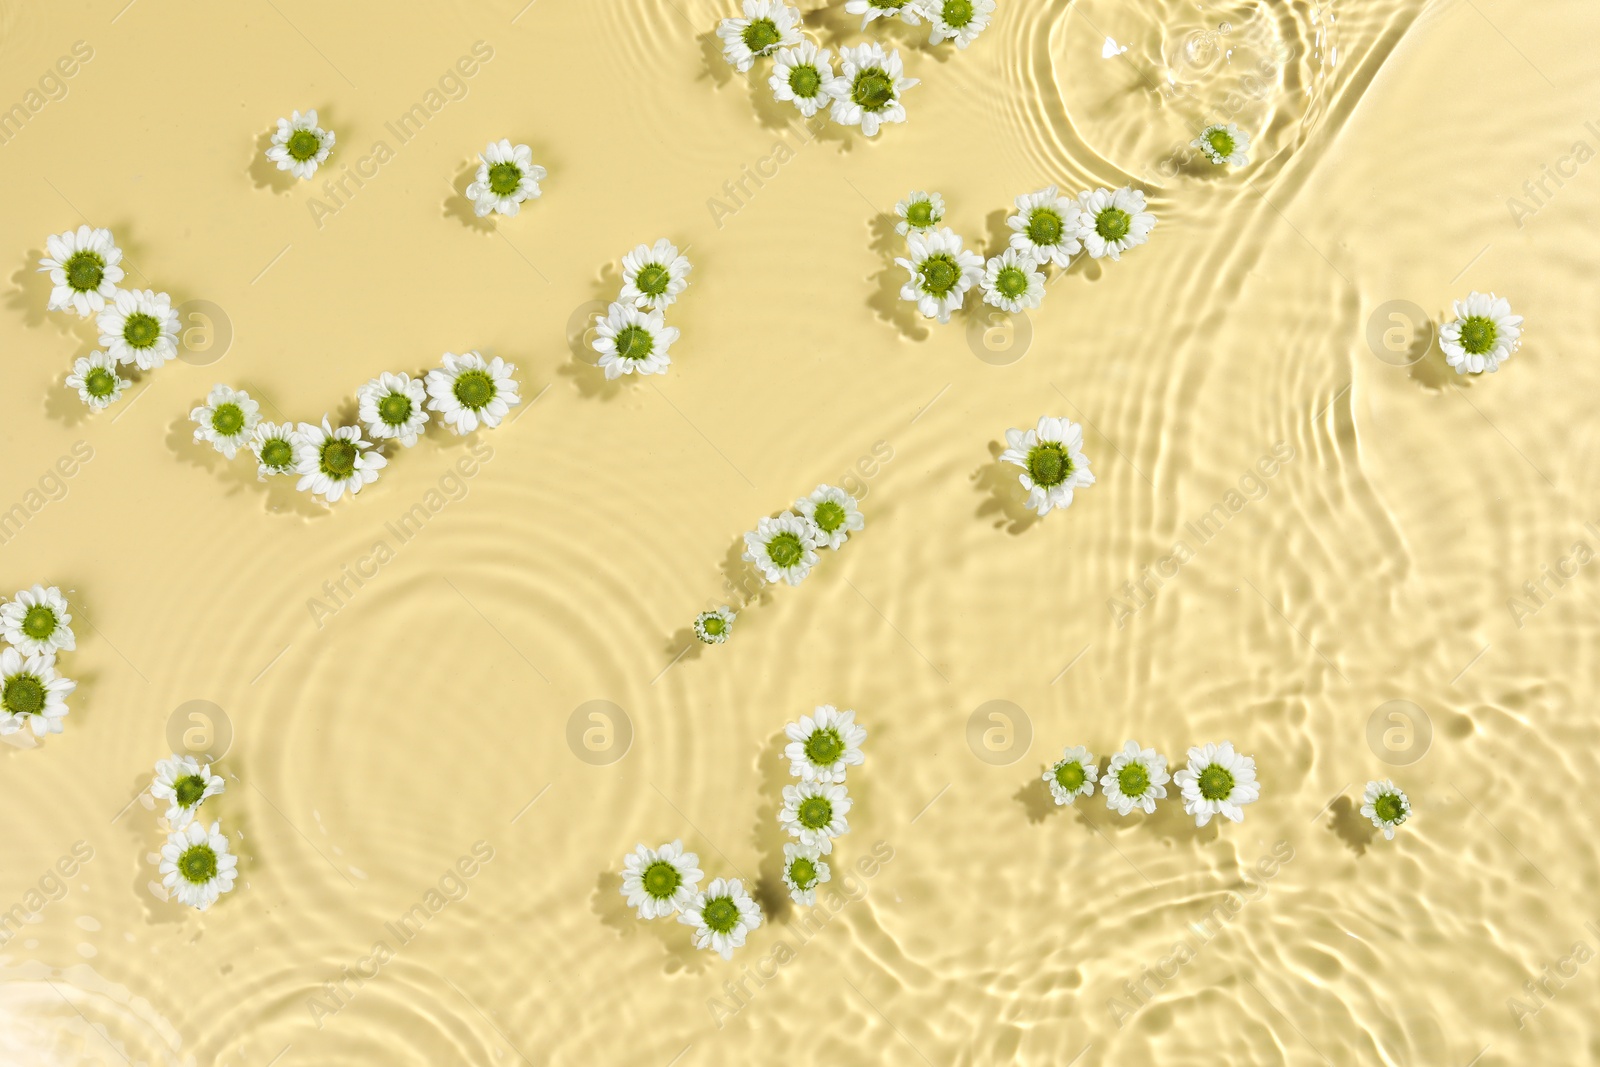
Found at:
[1216, 783]
[474, 388]
[1133, 780]
[661, 879]
[920, 214]
[815, 812]
[40, 622]
[761, 35]
[805, 82]
[99, 383]
[635, 342]
[939, 274]
[720, 914]
[394, 409]
[84, 271]
[504, 178]
[1113, 223]
[824, 747]
[1221, 142]
[829, 516]
[277, 453]
[652, 279]
[304, 145]
[23, 695]
[785, 550]
[887, 5]
[803, 873]
[1478, 334]
[1011, 282]
[1044, 227]
[957, 13]
[198, 864]
[715, 625]
[141, 330]
[1048, 464]
[227, 420]
[873, 89]
[338, 458]
[1389, 808]
[1071, 776]
[189, 789]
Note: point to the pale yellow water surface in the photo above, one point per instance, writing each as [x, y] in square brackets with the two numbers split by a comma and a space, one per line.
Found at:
[394, 706]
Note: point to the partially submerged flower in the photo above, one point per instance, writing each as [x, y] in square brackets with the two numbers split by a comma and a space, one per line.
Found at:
[833, 512]
[1051, 457]
[1224, 143]
[721, 916]
[300, 146]
[32, 694]
[38, 622]
[767, 26]
[1113, 221]
[1136, 778]
[714, 627]
[801, 75]
[196, 866]
[227, 419]
[654, 275]
[941, 272]
[815, 813]
[184, 784]
[919, 211]
[274, 446]
[783, 549]
[84, 267]
[96, 379]
[391, 407]
[1482, 336]
[660, 881]
[824, 745]
[908, 10]
[867, 90]
[140, 327]
[1217, 781]
[803, 870]
[1012, 282]
[332, 462]
[1045, 226]
[633, 340]
[1073, 775]
[957, 20]
[469, 390]
[507, 177]
[1387, 805]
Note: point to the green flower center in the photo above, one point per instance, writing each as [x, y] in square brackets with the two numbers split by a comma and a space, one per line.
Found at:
[99, 383]
[873, 89]
[198, 864]
[40, 622]
[1048, 464]
[1044, 227]
[23, 695]
[84, 271]
[939, 274]
[635, 342]
[1133, 780]
[785, 550]
[303, 145]
[474, 388]
[828, 515]
[141, 330]
[661, 879]
[815, 812]
[1011, 282]
[1216, 783]
[761, 35]
[920, 214]
[803, 873]
[1070, 776]
[338, 458]
[189, 789]
[1113, 223]
[887, 5]
[805, 82]
[1389, 809]
[1478, 334]
[395, 408]
[504, 178]
[1221, 142]
[227, 420]
[824, 747]
[652, 279]
[715, 625]
[957, 13]
[277, 453]
[720, 914]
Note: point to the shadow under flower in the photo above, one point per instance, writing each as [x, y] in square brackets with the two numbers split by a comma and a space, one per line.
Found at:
[1005, 502]
[1038, 803]
[885, 300]
[264, 173]
[1346, 822]
[676, 938]
[459, 205]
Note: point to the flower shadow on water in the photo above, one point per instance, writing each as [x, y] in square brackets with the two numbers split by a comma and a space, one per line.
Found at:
[769, 837]
[1005, 502]
[238, 475]
[31, 296]
[1038, 803]
[584, 366]
[677, 939]
[890, 278]
[62, 403]
[264, 173]
[717, 69]
[1346, 822]
[1434, 374]
[458, 206]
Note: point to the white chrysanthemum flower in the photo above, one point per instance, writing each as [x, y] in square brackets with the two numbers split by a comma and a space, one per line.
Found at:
[274, 447]
[96, 379]
[1051, 457]
[1224, 143]
[815, 813]
[1136, 778]
[300, 146]
[392, 407]
[654, 275]
[332, 462]
[784, 548]
[723, 914]
[1012, 282]
[1387, 805]
[84, 267]
[1046, 226]
[1113, 221]
[196, 866]
[833, 512]
[801, 75]
[824, 745]
[803, 870]
[507, 176]
[139, 326]
[1482, 336]
[920, 211]
[867, 90]
[1217, 781]
[227, 419]
[1073, 775]
[184, 784]
[38, 622]
[767, 26]
[469, 389]
[633, 340]
[908, 10]
[660, 881]
[956, 20]
[941, 272]
[714, 627]
[32, 694]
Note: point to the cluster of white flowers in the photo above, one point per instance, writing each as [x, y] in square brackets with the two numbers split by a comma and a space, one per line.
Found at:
[1217, 780]
[665, 881]
[36, 624]
[465, 392]
[960, 21]
[822, 747]
[1052, 461]
[632, 336]
[785, 548]
[196, 864]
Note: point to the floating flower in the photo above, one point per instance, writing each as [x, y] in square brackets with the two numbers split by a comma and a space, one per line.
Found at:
[833, 512]
[654, 275]
[196, 866]
[908, 10]
[96, 380]
[815, 813]
[941, 272]
[803, 870]
[1073, 775]
[801, 75]
[824, 745]
[139, 326]
[767, 26]
[32, 694]
[1012, 282]
[660, 881]
[391, 407]
[1217, 781]
[1482, 336]
[1224, 143]
[1113, 221]
[1046, 226]
[784, 548]
[867, 90]
[633, 340]
[274, 445]
[227, 419]
[919, 211]
[300, 146]
[84, 267]
[1136, 778]
[468, 390]
[714, 627]
[957, 20]
[507, 176]
[1053, 463]
[331, 462]
[37, 622]
[1387, 805]
[724, 913]
[184, 784]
